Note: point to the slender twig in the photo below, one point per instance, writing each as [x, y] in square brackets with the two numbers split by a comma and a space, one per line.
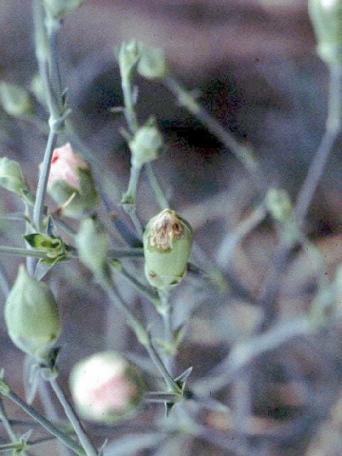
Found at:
[18, 251]
[46, 424]
[6, 423]
[84, 439]
[272, 283]
[4, 282]
[244, 352]
[333, 127]
[156, 188]
[242, 153]
[141, 333]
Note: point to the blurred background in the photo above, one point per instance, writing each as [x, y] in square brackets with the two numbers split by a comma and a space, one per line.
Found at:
[254, 65]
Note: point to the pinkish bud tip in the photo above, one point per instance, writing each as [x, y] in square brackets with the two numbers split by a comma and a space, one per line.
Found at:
[64, 166]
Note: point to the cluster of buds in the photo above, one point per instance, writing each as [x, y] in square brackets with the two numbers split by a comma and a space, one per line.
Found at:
[31, 316]
[105, 387]
[167, 245]
[326, 17]
[70, 183]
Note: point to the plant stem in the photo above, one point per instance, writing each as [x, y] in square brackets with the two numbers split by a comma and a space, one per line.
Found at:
[242, 153]
[6, 423]
[333, 127]
[4, 282]
[85, 441]
[156, 188]
[46, 424]
[145, 291]
[18, 251]
[141, 333]
[166, 312]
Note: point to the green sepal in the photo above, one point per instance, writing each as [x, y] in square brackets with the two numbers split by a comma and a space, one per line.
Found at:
[55, 248]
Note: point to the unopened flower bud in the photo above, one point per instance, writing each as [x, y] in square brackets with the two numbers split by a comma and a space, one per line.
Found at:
[146, 144]
[152, 63]
[15, 100]
[105, 387]
[70, 182]
[128, 56]
[31, 315]
[279, 204]
[60, 8]
[326, 17]
[167, 245]
[93, 244]
[11, 176]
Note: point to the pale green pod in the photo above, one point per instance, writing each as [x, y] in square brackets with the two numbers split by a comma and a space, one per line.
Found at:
[146, 144]
[75, 202]
[152, 63]
[15, 100]
[326, 17]
[93, 244]
[60, 8]
[105, 387]
[11, 176]
[31, 315]
[167, 245]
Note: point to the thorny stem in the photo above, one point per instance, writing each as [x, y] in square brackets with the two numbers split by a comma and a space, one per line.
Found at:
[46, 424]
[242, 153]
[74, 420]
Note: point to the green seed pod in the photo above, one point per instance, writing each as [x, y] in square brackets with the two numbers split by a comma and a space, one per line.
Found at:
[60, 8]
[11, 177]
[31, 315]
[93, 244]
[15, 100]
[146, 144]
[152, 63]
[279, 204]
[167, 245]
[105, 387]
[326, 17]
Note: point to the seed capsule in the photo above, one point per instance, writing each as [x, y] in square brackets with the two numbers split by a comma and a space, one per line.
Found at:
[31, 315]
[326, 17]
[167, 245]
[105, 387]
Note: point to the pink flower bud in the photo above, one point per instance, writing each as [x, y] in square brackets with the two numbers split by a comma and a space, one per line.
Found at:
[65, 164]
[104, 387]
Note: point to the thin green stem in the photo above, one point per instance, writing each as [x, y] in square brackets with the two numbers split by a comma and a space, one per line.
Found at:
[145, 291]
[6, 423]
[141, 333]
[156, 188]
[4, 282]
[84, 439]
[242, 153]
[46, 424]
[129, 111]
[333, 128]
[18, 251]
